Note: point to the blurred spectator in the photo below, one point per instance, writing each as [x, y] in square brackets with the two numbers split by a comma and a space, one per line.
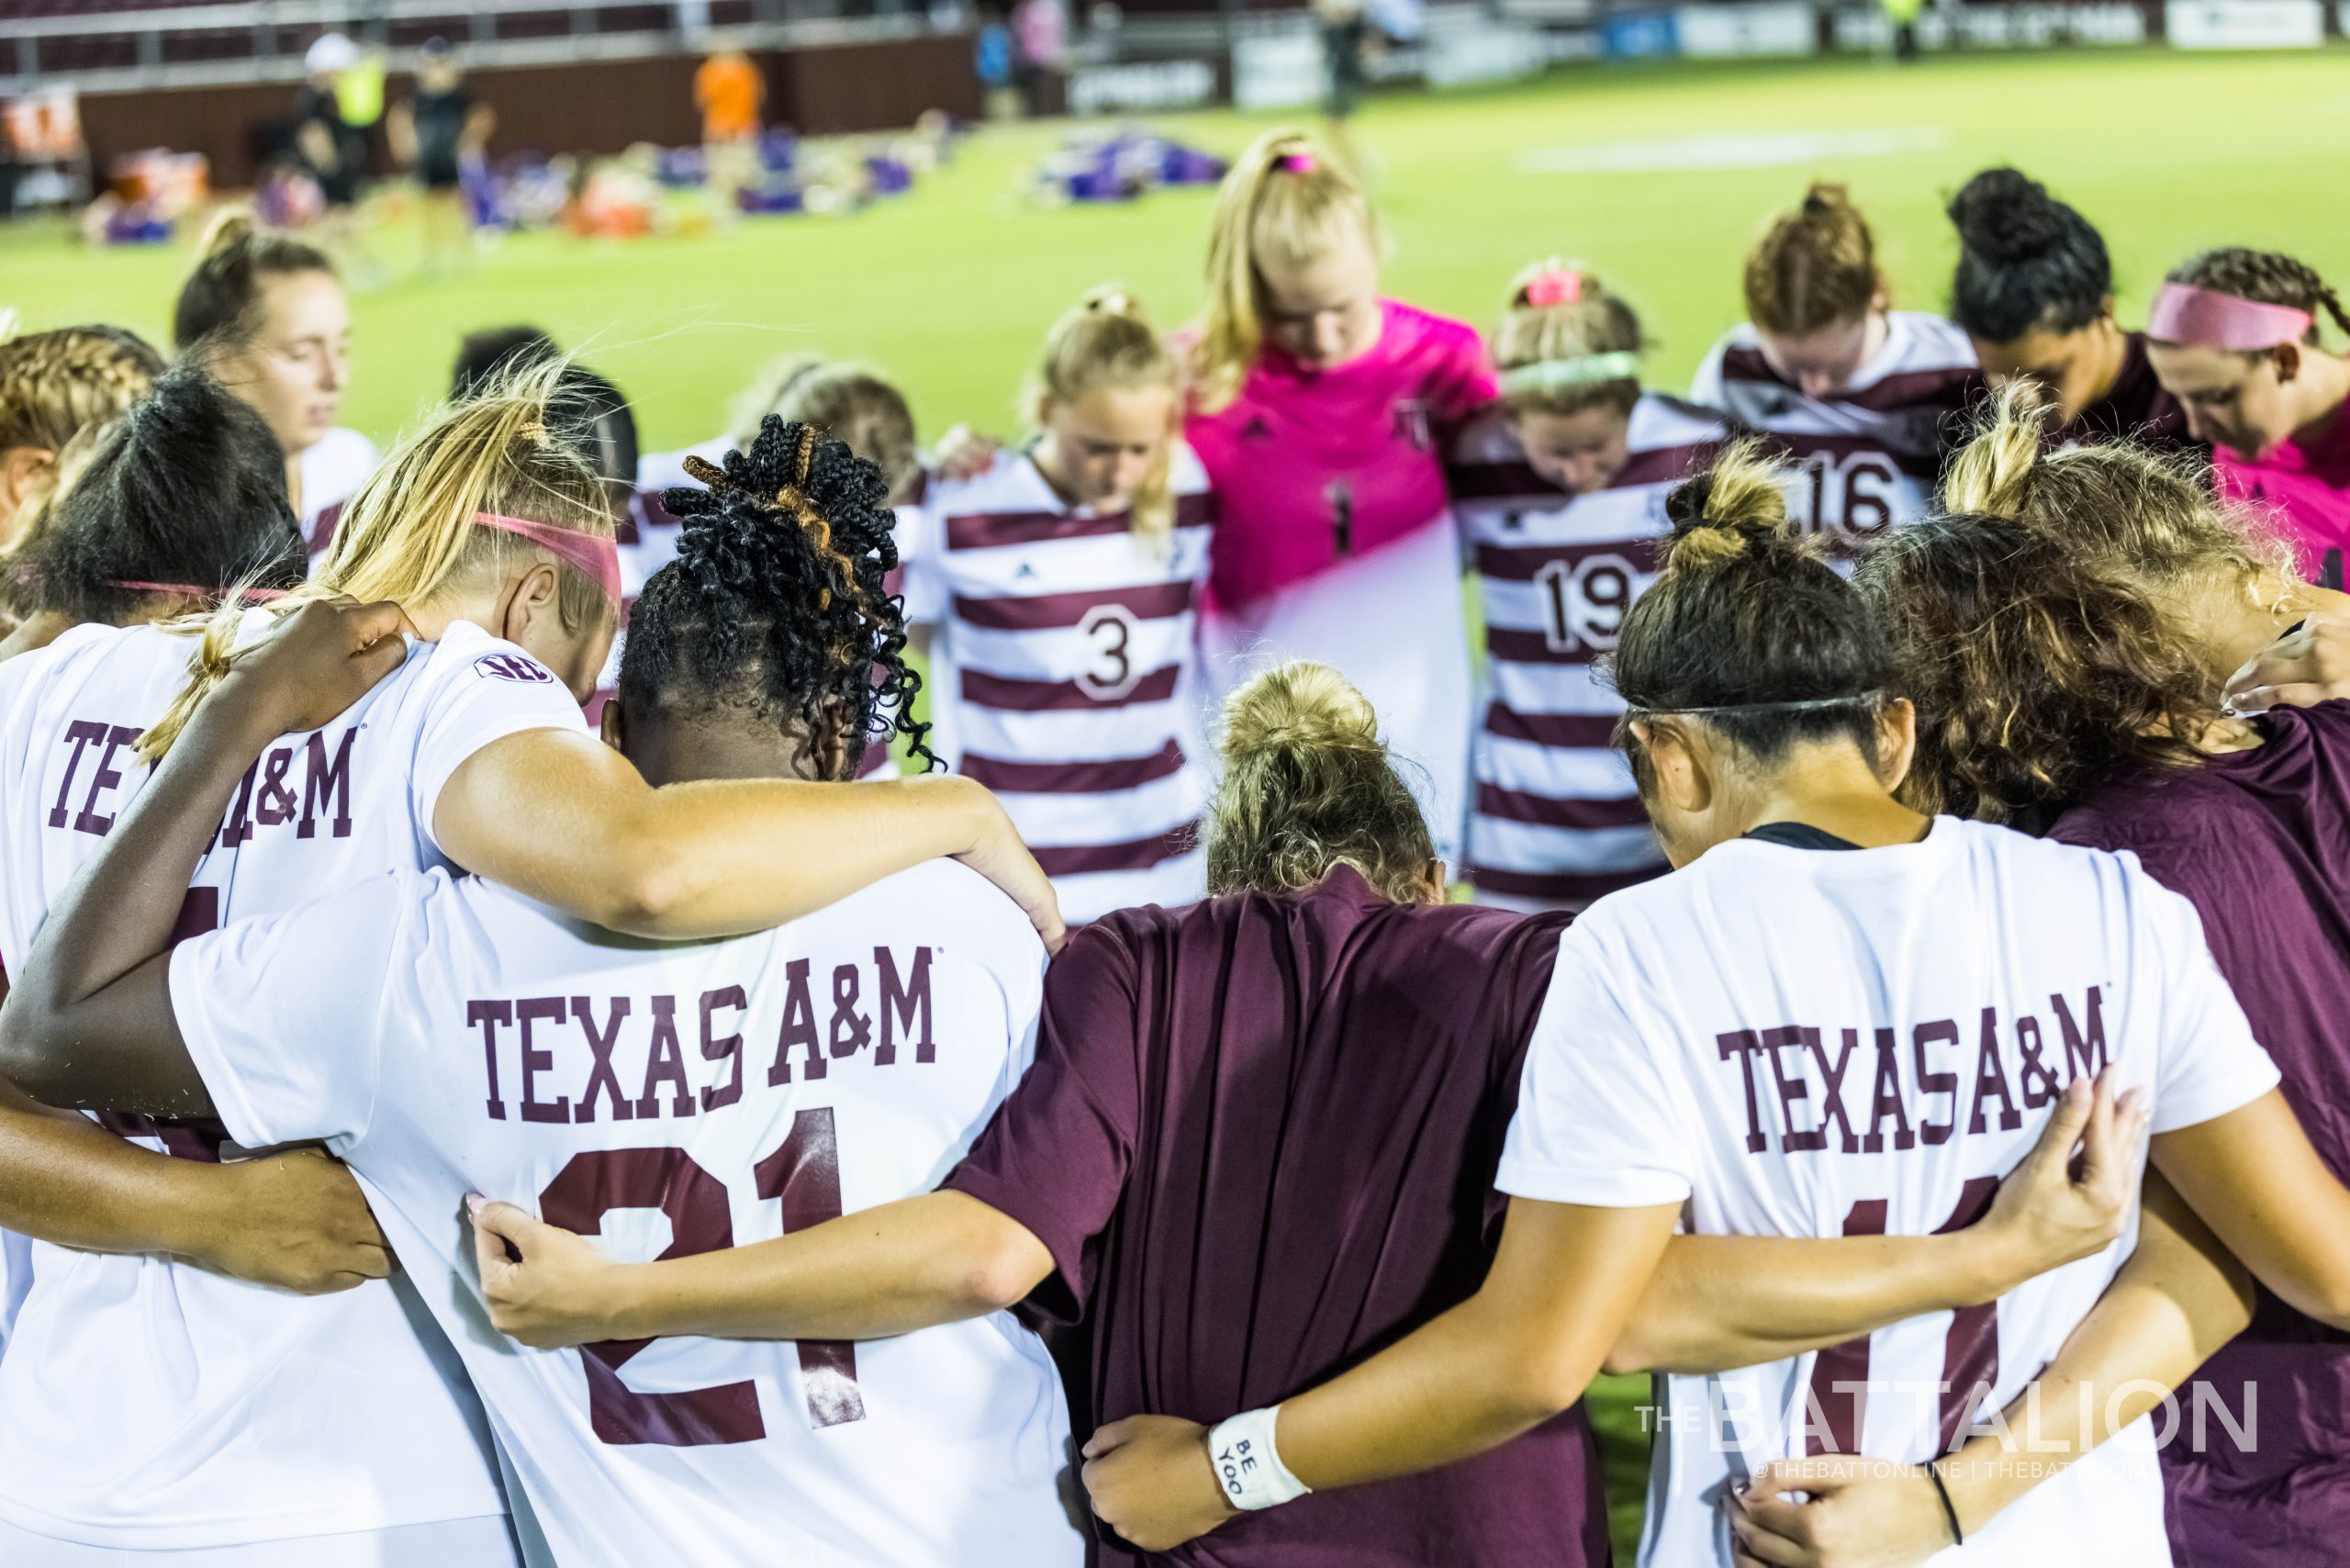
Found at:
[1345, 36]
[994, 58]
[330, 148]
[729, 92]
[1040, 32]
[435, 132]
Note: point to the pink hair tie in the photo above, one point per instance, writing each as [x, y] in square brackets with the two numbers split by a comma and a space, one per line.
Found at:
[259, 596]
[2204, 317]
[1295, 164]
[1556, 287]
[595, 554]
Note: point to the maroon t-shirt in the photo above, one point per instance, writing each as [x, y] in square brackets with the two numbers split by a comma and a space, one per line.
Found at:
[2259, 842]
[1259, 1140]
[2135, 409]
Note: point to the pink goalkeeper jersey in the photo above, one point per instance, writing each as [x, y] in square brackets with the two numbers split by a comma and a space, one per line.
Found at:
[2304, 486]
[1334, 532]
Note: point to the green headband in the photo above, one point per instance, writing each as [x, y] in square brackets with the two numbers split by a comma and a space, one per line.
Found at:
[1558, 374]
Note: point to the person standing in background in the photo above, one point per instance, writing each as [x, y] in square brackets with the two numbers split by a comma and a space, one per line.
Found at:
[1322, 413]
[1040, 31]
[435, 131]
[2235, 339]
[730, 93]
[1345, 34]
[332, 149]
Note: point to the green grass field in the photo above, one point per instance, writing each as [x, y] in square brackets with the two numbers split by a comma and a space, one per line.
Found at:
[949, 288]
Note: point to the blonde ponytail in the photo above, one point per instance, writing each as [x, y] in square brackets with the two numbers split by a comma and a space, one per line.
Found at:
[1736, 506]
[1286, 200]
[1991, 474]
[410, 534]
[1308, 786]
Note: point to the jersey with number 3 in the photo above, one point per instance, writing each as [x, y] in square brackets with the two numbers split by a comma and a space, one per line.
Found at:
[1064, 674]
[149, 1404]
[1866, 457]
[1818, 1042]
[1556, 820]
[670, 1098]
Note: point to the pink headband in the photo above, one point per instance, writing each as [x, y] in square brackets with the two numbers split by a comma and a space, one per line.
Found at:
[1295, 164]
[1556, 287]
[596, 557]
[2207, 318]
[259, 596]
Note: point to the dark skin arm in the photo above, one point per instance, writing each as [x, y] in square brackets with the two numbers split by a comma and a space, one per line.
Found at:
[90, 1021]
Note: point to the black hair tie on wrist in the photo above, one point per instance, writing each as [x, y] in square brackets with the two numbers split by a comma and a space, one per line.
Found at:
[1950, 1511]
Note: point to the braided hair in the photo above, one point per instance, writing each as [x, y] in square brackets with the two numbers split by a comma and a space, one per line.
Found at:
[52, 384]
[2266, 276]
[777, 600]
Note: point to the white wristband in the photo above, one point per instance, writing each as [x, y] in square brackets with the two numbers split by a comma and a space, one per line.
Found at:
[1248, 1464]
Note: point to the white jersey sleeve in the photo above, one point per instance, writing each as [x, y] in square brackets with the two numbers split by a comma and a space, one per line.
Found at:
[918, 559]
[2209, 1063]
[1596, 1122]
[254, 999]
[482, 690]
[1707, 389]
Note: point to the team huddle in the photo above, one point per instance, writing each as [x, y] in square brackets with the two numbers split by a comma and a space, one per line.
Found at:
[501, 1063]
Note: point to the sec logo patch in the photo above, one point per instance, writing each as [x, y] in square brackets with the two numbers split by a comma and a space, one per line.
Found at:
[512, 667]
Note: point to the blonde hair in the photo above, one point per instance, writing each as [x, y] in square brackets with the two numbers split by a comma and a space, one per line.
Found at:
[852, 403]
[1307, 786]
[1105, 341]
[1286, 200]
[1571, 352]
[1814, 267]
[55, 384]
[410, 533]
[2047, 617]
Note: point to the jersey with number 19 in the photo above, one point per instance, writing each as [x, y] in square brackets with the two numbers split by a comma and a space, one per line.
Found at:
[1064, 674]
[1800, 1041]
[670, 1098]
[147, 1404]
[1556, 821]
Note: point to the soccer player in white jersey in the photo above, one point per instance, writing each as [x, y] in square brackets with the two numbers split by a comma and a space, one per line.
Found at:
[1560, 489]
[477, 754]
[1866, 401]
[1064, 585]
[734, 1088]
[1836, 1018]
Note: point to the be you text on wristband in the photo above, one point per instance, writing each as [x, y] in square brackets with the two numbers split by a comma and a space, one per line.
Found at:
[1249, 1466]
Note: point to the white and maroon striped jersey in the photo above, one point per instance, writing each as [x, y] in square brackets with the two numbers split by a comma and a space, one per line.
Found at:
[1064, 675]
[1556, 820]
[1867, 456]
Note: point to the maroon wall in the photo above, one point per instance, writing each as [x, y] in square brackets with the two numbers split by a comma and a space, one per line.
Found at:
[591, 106]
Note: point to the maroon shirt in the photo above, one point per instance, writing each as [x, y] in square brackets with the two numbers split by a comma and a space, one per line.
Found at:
[2259, 842]
[2136, 409]
[1259, 1140]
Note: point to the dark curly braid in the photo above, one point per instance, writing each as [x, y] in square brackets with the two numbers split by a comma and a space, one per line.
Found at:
[2266, 276]
[777, 599]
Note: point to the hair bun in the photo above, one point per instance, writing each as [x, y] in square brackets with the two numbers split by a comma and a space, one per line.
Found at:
[2005, 217]
[1299, 707]
[230, 227]
[1825, 197]
[1728, 509]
